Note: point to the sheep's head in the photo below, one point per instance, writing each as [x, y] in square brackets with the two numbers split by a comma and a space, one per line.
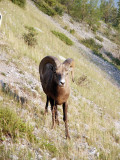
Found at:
[60, 70]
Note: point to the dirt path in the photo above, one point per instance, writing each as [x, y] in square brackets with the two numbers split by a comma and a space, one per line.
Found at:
[113, 74]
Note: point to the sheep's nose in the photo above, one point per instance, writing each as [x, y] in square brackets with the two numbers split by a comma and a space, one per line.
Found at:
[62, 82]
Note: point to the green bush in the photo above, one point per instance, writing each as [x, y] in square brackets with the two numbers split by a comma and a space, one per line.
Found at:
[11, 125]
[71, 21]
[51, 2]
[20, 3]
[99, 38]
[66, 27]
[72, 31]
[94, 28]
[63, 37]
[44, 7]
[59, 10]
[116, 61]
[30, 37]
[90, 43]
[107, 33]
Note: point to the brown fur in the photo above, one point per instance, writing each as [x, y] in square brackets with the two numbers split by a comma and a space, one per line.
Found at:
[53, 74]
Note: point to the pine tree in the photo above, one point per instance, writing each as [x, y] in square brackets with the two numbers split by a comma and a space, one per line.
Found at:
[68, 4]
[107, 9]
[80, 9]
[118, 15]
[93, 12]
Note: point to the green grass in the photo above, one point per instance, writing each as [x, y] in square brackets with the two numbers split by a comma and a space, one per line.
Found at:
[63, 37]
[11, 125]
[45, 144]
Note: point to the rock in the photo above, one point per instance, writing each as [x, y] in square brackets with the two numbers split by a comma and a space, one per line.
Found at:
[1, 98]
[14, 157]
[39, 157]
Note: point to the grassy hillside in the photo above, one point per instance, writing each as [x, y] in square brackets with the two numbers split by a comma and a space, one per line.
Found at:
[94, 104]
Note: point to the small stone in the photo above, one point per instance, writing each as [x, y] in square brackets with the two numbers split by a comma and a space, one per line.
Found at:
[1, 98]
[14, 157]
[39, 157]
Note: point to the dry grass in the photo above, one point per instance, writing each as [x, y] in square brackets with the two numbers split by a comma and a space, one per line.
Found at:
[93, 107]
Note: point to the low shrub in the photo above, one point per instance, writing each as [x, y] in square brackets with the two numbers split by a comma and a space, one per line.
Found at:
[51, 2]
[94, 28]
[90, 43]
[72, 31]
[66, 27]
[63, 37]
[71, 21]
[11, 125]
[44, 7]
[99, 38]
[30, 37]
[116, 61]
[107, 33]
[20, 3]
[59, 10]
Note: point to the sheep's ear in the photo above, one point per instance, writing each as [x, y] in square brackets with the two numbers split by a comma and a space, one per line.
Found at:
[69, 65]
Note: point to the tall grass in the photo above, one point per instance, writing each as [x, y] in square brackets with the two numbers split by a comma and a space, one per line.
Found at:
[11, 125]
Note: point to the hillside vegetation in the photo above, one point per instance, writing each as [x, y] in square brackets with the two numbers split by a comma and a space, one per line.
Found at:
[94, 103]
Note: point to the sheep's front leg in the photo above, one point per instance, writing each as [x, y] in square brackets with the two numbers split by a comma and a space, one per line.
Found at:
[56, 115]
[46, 106]
[65, 108]
[53, 112]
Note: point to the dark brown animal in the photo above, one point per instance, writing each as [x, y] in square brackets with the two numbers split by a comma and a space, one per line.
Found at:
[55, 79]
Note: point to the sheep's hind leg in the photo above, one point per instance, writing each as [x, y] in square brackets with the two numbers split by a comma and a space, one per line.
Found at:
[65, 107]
[56, 115]
[53, 112]
[46, 106]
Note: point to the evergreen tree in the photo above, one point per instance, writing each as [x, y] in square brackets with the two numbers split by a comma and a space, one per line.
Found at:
[93, 12]
[118, 15]
[107, 9]
[68, 4]
[80, 9]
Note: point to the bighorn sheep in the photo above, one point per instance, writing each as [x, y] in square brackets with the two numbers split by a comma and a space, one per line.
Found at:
[55, 79]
